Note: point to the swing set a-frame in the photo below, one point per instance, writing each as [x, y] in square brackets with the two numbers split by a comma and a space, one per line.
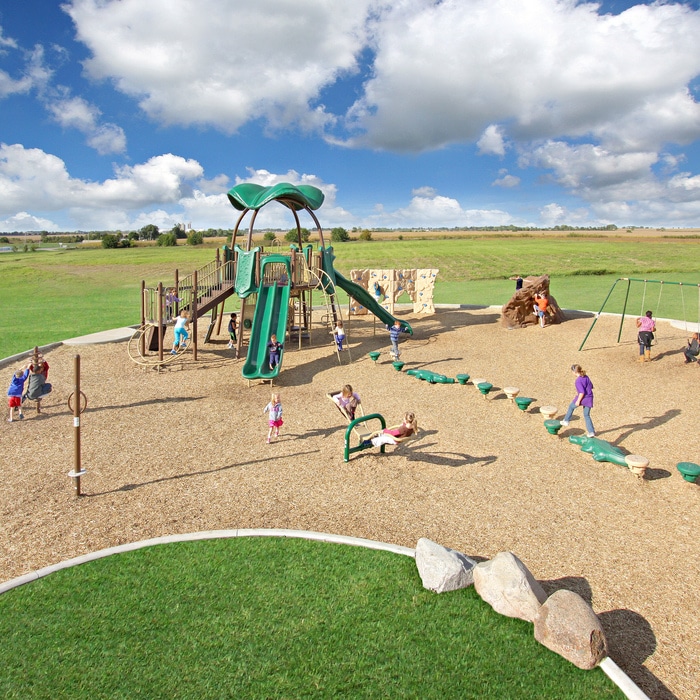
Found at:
[629, 281]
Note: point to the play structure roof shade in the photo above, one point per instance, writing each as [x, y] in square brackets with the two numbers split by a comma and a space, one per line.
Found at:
[248, 195]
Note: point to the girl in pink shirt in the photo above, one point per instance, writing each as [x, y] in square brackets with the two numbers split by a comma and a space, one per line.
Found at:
[645, 334]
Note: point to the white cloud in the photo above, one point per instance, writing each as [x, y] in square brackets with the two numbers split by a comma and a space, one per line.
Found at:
[491, 141]
[220, 63]
[506, 180]
[23, 221]
[546, 68]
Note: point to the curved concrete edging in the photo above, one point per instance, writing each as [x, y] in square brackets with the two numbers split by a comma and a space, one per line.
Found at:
[608, 666]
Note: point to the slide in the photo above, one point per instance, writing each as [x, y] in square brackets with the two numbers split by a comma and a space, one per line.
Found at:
[270, 317]
[358, 293]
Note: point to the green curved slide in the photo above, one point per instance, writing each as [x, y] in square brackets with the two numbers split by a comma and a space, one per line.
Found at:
[270, 318]
[358, 293]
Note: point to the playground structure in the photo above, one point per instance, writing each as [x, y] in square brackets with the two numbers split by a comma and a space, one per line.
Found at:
[276, 289]
[386, 286]
[646, 282]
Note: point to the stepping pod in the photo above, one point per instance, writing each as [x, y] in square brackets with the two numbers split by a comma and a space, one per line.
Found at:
[484, 388]
[548, 412]
[374, 355]
[523, 402]
[462, 378]
[689, 470]
[511, 392]
[398, 365]
[637, 464]
[553, 426]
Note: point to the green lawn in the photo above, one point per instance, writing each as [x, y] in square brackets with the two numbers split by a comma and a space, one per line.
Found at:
[268, 618]
[48, 296]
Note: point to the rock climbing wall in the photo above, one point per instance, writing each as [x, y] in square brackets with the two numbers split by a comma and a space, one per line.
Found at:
[387, 286]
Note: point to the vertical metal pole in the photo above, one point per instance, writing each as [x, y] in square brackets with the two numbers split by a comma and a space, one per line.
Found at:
[176, 305]
[194, 314]
[160, 322]
[77, 467]
[142, 341]
[624, 308]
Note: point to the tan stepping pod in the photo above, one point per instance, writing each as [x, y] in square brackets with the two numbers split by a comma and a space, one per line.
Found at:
[548, 412]
[637, 464]
[511, 392]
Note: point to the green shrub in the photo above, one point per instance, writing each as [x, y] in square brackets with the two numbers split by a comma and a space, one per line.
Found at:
[291, 235]
[166, 240]
[110, 240]
[270, 236]
[195, 238]
[366, 235]
[339, 235]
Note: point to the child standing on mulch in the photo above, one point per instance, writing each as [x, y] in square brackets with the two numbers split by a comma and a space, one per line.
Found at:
[232, 328]
[394, 333]
[274, 409]
[584, 397]
[14, 393]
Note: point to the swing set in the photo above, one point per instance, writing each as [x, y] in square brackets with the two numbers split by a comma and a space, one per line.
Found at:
[661, 284]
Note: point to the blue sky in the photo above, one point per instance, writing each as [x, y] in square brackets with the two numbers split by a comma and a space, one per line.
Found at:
[407, 113]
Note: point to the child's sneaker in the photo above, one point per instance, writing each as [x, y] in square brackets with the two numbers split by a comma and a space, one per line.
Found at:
[173, 352]
[268, 441]
[590, 434]
[21, 416]
[565, 424]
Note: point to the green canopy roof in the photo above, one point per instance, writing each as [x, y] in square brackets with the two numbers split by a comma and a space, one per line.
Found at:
[248, 195]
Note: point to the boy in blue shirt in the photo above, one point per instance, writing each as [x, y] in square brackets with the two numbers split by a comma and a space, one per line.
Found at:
[14, 393]
[394, 333]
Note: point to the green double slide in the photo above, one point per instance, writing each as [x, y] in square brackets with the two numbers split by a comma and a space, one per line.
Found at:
[270, 318]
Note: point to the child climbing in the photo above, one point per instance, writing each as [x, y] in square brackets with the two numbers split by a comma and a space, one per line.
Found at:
[339, 334]
[394, 333]
[232, 328]
[274, 409]
[170, 300]
[645, 334]
[391, 436]
[14, 393]
[182, 326]
[347, 400]
[540, 307]
[274, 349]
[584, 397]
[37, 386]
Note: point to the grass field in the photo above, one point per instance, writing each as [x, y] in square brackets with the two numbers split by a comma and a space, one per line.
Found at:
[48, 296]
[268, 618]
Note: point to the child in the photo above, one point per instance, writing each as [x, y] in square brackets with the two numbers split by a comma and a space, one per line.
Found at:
[274, 408]
[394, 332]
[37, 386]
[584, 397]
[693, 349]
[274, 348]
[339, 333]
[645, 335]
[14, 393]
[232, 328]
[347, 401]
[540, 307]
[170, 300]
[182, 325]
[409, 426]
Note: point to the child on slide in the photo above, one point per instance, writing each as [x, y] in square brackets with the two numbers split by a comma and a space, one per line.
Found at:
[274, 348]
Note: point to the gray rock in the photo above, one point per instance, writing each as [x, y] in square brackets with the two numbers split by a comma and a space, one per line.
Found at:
[567, 625]
[441, 568]
[505, 583]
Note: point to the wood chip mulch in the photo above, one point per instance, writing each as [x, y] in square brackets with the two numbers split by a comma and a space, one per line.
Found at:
[184, 450]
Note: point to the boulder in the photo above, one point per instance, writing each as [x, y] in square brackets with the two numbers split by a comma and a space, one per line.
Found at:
[567, 625]
[505, 583]
[519, 311]
[441, 568]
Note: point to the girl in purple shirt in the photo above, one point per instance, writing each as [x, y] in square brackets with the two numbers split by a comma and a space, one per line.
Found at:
[645, 334]
[584, 397]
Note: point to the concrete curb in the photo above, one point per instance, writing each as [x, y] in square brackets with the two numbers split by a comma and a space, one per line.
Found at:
[609, 667]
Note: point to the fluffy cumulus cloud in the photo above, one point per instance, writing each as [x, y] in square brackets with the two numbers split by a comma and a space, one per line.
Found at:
[37, 182]
[220, 63]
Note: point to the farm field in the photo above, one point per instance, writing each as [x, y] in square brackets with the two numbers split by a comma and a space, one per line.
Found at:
[52, 295]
